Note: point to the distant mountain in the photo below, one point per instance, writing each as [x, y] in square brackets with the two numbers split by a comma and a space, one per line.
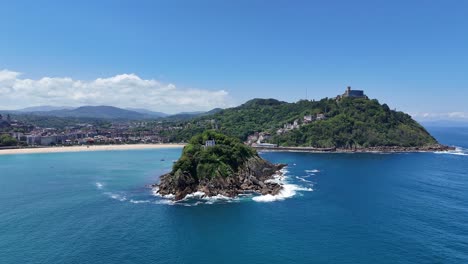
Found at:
[212, 111]
[43, 108]
[103, 112]
[189, 115]
[147, 112]
[107, 112]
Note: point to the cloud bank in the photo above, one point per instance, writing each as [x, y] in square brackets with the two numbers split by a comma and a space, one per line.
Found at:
[124, 90]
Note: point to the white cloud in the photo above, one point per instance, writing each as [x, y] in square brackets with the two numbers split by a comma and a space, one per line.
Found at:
[124, 90]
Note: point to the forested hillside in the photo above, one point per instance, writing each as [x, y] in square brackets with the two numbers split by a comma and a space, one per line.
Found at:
[348, 123]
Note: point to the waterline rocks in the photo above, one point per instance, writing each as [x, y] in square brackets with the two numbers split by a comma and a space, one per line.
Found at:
[222, 167]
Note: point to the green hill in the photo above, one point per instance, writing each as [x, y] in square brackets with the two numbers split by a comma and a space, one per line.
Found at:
[348, 123]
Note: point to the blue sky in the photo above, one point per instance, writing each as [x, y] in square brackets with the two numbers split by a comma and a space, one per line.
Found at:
[412, 55]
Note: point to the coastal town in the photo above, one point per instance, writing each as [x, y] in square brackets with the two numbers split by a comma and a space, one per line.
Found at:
[124, 132]
[15, 133]
[18, 131]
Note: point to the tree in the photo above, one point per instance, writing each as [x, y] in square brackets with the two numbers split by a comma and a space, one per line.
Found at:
[7, 140]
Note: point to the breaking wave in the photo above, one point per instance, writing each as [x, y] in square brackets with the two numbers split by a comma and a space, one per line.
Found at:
[458, 151]
[289, 189]
[99, 185]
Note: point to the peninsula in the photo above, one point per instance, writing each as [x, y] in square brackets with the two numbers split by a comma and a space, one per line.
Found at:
[349, 122]
[215, 164]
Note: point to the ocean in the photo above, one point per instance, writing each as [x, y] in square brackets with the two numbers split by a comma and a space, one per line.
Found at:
[96, 207]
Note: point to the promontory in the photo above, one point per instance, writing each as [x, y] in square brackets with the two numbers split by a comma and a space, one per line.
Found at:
[350, 122]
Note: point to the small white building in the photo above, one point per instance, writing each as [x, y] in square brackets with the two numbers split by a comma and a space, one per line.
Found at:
[210, 143]
[321, 117]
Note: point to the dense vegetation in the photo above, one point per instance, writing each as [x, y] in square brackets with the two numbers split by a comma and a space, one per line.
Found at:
[358, 123]
[7, 140]
[223, 159]
[350, 123]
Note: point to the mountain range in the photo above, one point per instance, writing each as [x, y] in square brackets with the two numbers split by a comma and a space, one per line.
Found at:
[106, 112]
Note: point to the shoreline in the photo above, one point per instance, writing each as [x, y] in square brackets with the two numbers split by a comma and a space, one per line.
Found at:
[64, 149]
[436, 148]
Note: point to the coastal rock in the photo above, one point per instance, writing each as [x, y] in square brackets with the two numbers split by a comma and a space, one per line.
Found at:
[213, 164]
[250, 178]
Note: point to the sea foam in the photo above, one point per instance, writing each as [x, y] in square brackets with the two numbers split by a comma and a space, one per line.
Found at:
[139, 201]
[288, 190]
[199, 197]
[116, 196]
[302, 179]
[458, 151]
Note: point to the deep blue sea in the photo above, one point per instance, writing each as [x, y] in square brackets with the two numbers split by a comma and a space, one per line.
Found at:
[95, 207]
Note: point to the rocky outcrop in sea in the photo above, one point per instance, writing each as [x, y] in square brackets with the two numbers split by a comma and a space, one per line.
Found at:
[252, 177]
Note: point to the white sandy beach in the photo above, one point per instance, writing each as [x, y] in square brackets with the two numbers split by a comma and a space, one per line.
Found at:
[87, 148]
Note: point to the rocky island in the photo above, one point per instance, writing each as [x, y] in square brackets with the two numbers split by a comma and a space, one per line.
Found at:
[215, 164]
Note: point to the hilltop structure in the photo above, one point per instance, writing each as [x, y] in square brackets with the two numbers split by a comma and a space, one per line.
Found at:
[352, 93]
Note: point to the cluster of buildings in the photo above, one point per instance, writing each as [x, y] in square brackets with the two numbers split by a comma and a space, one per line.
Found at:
[9, 124]
[81, 134]
[48, 137]
[296, 124]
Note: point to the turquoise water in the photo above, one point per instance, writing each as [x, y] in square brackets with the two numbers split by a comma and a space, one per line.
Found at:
[339, 208]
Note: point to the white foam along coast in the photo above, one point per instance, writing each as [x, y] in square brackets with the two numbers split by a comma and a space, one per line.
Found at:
[155, 193]
[302, 179]
[288, 190]
[199, 196]
[458, 151]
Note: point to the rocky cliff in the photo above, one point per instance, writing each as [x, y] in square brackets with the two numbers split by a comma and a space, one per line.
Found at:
[253, 176]
[227, 168]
